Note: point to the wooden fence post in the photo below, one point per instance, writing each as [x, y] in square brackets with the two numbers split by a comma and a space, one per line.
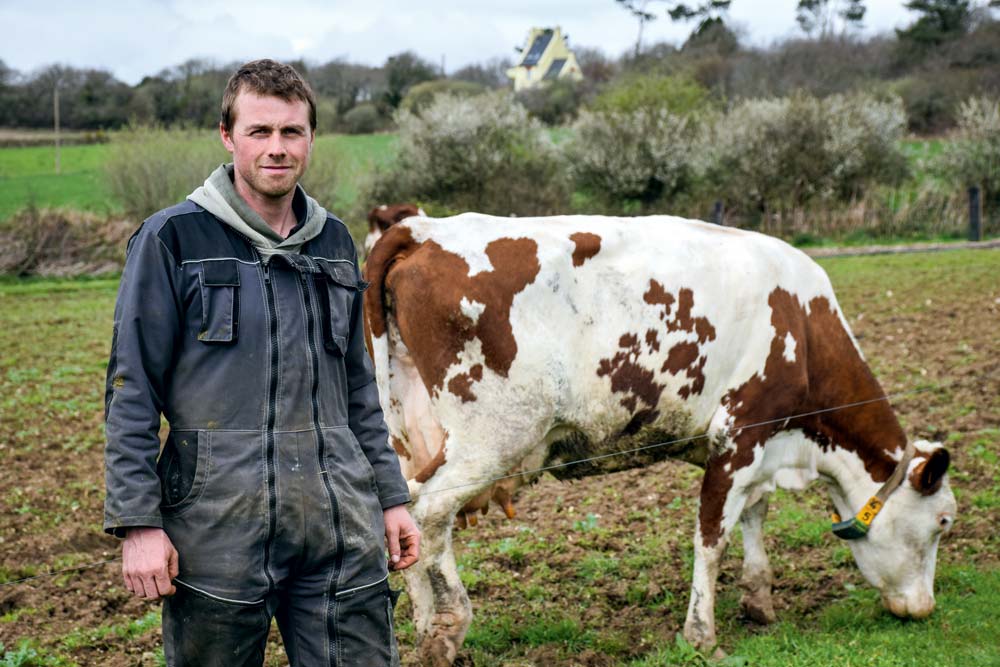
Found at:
[975, 214]
[717, 214]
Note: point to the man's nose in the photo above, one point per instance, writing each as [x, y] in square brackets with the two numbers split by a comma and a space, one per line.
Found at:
[276, 144]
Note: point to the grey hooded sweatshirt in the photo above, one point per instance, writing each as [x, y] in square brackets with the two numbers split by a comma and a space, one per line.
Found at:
[251, 347]
[218, 196]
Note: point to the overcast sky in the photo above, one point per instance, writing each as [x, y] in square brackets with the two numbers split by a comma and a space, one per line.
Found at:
[141, 37]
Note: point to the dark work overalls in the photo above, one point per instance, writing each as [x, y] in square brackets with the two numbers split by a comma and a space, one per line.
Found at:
[273, 479]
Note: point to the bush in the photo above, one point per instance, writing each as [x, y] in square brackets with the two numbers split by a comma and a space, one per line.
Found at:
[643, 155]
[363, 119]
[61, 243]
[420, 96]
[932, 97]
[678, 94]
[320, 180]
[478, 153]
[768, 155]
[555, 103]
[973, 155]
[150, 167]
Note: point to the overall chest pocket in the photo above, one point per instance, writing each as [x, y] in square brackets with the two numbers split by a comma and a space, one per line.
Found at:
[219, 282]
[338, 286]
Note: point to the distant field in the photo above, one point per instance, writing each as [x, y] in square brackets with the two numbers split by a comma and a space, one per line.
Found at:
[27, 175]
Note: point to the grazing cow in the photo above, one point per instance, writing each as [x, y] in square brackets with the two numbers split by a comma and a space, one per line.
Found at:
[504, 345]
[385, 216]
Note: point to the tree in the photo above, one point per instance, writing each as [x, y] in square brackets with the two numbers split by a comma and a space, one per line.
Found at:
[402, 71]
[709, 12]
[637, 8]
[819, 16]
[492, 73]
[940, 21]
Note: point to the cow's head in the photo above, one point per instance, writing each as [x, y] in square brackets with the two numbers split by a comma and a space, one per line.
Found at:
[385, 216]
[899, 552]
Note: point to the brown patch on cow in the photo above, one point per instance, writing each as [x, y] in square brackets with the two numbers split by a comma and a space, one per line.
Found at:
[385, 216]
[428, 470]
[628, 377]
[587, 245]
[425, 284]
[827, 372]
[639, 383]
[656, 295]
[461, 384]
[399, 447]
[685, 357]
[652, 340]
[680, 357]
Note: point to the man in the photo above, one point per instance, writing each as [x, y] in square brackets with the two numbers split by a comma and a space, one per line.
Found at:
[239, 320]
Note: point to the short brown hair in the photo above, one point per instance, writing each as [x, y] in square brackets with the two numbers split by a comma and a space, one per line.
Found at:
[266, 77]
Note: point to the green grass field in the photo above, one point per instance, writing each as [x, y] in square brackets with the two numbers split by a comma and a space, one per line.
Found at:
[27, 175]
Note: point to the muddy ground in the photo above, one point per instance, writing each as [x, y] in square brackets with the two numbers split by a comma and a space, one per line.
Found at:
[608, 558]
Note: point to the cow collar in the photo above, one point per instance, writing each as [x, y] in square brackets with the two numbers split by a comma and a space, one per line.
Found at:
[857, 526]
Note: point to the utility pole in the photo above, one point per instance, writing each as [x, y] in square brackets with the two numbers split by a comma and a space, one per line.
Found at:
[55, 113]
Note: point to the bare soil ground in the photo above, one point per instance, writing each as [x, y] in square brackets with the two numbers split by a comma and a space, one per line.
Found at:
[594, 572]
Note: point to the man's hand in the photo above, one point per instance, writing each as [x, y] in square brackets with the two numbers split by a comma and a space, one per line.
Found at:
[149, 562]
[402, 536]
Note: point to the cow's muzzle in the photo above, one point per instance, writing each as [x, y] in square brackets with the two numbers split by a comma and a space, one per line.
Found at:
[913, 606]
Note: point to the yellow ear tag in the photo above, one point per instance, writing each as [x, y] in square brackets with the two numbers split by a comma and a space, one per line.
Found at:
[871, 509]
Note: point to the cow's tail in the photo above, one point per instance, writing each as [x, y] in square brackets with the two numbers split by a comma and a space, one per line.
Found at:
[395, 245]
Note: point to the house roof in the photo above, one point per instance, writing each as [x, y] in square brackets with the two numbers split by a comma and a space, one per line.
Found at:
[537, 49]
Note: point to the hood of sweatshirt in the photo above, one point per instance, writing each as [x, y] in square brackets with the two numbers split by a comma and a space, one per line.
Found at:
[218, 196]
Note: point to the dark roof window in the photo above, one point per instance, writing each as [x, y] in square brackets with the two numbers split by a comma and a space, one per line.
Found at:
[555, 68]
[537, 49]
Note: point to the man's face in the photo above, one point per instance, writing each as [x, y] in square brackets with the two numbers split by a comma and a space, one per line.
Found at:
[270, 141]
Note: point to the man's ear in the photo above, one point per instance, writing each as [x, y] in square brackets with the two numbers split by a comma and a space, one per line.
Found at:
[227, 138]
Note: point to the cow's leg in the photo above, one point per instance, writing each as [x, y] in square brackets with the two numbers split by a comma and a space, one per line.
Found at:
[729, 474]
[757, 577]
[710, 541]
[441, 609]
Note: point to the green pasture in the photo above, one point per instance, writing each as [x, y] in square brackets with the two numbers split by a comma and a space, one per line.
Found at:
[28, 178]
[529, 599]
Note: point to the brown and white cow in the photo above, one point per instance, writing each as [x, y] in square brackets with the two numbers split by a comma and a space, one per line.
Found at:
[503, 345]
[381, 218]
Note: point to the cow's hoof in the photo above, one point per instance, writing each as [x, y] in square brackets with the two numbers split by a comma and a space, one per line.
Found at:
[758, 609]
[438, 651]
[718, 654]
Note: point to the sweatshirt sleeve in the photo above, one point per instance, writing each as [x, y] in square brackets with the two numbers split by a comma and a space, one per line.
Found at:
[365, 414]
[146, 328]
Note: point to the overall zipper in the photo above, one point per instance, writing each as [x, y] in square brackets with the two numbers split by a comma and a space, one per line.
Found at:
[272, 409]
[307, 299]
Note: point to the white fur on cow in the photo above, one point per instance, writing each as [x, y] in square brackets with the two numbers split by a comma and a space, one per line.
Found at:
[502, 345]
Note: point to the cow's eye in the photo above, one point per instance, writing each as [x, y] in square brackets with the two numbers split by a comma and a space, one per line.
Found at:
[944, 522]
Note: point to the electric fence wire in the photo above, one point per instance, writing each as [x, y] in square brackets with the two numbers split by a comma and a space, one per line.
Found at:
[846, 406]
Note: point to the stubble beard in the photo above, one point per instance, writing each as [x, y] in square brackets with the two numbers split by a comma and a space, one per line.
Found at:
[270, 187]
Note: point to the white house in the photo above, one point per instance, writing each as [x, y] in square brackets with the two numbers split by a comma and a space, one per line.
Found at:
[545, 57]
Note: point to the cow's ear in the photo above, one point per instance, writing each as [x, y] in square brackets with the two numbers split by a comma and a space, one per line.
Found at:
[926, 477]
